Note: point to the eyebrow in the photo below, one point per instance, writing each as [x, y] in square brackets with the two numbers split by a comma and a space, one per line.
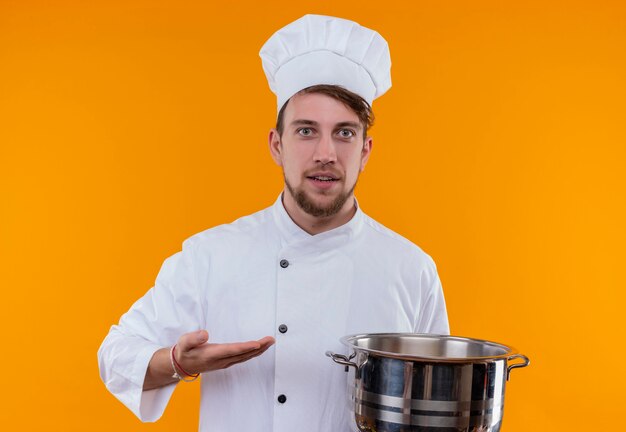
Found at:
[304, 122]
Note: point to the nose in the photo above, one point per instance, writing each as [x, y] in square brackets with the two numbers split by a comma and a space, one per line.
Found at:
[325, 151]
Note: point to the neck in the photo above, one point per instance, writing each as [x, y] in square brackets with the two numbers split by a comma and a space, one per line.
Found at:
[316, 225]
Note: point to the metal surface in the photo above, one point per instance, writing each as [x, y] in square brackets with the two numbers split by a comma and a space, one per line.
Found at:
[516, 365]
[427, 383]
[342, 359]
[426, 346]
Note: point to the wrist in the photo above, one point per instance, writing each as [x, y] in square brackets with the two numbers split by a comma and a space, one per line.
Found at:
[178, 371]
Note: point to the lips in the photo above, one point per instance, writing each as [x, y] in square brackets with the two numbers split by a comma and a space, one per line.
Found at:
[323, 177]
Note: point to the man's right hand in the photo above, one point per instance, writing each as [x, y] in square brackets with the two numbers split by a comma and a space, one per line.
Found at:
[195, 354]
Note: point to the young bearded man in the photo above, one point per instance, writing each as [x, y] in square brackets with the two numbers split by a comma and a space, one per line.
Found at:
[291, 279]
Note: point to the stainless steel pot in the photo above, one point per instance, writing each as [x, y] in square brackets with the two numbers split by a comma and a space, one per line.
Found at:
[403, 382]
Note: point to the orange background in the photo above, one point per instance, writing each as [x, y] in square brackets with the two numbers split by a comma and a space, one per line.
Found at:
[127, 126]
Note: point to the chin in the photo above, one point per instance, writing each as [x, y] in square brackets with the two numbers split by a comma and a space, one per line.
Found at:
[327, 207]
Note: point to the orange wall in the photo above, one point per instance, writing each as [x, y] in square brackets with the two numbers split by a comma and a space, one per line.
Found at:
[127, 126]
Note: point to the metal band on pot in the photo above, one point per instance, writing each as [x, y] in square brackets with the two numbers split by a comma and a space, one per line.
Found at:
[426, 420]
[424, 405]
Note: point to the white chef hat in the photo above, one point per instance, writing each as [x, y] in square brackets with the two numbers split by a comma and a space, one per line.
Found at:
[317, 49]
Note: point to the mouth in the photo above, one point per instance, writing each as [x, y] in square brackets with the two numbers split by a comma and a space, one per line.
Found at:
[323, 177]
[323, 182]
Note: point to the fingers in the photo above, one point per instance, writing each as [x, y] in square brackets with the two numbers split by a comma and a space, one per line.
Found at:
[194, 354]
[233, 360]
[267, 341]
[234, 349]
[189, 341]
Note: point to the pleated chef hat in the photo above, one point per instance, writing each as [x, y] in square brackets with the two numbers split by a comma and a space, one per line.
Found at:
[317, 49]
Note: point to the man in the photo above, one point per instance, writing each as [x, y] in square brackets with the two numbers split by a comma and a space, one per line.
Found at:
[300, 274]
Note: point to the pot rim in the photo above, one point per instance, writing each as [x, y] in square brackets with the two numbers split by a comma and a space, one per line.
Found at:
[510, 351]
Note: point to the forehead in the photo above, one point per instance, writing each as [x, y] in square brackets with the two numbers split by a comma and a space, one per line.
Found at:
[319, 108]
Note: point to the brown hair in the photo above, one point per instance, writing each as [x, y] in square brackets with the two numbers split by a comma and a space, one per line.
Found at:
[356, 103]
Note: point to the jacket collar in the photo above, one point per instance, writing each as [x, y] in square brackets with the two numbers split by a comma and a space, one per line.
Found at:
[292, 235]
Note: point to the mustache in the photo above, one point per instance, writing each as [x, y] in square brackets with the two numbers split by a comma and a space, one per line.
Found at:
[323, 171]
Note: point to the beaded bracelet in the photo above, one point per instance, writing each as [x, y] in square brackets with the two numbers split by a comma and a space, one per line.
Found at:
[177, 367]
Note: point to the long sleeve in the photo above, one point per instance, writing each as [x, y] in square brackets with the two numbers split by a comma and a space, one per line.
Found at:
[169, 309]
[433, 316]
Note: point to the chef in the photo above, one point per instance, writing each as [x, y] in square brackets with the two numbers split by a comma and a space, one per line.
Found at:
[254, 305]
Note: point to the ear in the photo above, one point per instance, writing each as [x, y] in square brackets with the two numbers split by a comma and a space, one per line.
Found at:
[365, 151]
[275, 147]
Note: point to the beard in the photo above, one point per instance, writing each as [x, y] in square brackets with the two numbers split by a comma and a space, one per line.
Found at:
[310, 207]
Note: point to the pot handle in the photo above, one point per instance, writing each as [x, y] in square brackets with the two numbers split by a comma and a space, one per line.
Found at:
[516, 365]
[342, 359]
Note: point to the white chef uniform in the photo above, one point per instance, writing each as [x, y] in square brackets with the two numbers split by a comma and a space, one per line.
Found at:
[242, 281]
[263, 275]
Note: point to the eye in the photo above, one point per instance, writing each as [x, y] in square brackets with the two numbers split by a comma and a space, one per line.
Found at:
[346, 133]
[305, 131]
